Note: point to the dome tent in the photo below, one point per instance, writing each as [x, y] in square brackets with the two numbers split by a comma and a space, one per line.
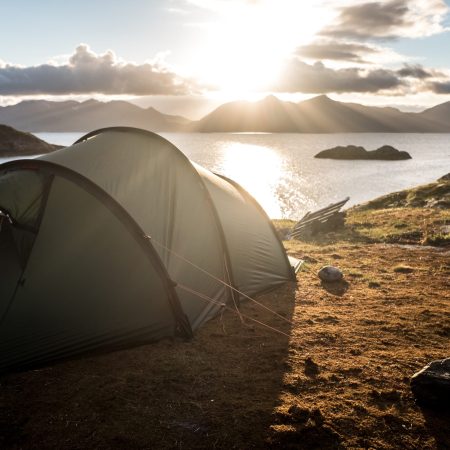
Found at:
[101, 236]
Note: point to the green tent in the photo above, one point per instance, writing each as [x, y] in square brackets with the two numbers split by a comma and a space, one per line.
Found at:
[109, 243]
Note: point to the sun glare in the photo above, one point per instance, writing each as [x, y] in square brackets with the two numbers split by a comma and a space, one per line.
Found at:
[246, 48]
[258, 169]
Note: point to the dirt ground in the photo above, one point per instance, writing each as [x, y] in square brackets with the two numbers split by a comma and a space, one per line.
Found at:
[337, 378]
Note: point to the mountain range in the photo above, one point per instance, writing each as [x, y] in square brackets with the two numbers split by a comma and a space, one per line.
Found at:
[317, 115]
[322, 115]
[71, 116]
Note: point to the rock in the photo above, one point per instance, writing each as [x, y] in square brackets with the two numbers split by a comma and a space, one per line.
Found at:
[431, 385]
[317, 416]
[311, 368]
[386, 152]
[298, 414]
[445, 177]
[330, 274]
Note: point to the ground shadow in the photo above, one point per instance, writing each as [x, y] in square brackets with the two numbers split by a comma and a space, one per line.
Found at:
[437, 423]
[338, 288]
[216, 391]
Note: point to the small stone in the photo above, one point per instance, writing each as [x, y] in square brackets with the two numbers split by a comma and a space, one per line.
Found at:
[311, 368]
[431, 385]
[317, 416]
[330, 274]
[298, 414]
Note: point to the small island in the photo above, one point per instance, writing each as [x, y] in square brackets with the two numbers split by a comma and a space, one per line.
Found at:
[18, 143]
[386, 152]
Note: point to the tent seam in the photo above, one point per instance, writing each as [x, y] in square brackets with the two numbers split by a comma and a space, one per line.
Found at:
[181, 322]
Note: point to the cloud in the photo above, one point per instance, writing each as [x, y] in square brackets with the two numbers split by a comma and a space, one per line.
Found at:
[177, 11]
[440, 87]
[87, 72]
[389, 19]
[298, 76]
[224, 5]
[338, 51]
[416, 71]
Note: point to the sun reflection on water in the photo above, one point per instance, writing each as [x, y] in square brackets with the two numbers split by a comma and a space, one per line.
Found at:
[257, 169]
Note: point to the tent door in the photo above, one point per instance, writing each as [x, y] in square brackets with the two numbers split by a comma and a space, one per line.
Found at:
[10, 267]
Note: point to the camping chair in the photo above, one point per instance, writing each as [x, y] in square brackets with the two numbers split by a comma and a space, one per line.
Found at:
[322, 220]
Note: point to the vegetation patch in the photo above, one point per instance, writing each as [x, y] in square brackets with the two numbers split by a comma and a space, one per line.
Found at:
[403, 269]
[418, 216]
[402, 225]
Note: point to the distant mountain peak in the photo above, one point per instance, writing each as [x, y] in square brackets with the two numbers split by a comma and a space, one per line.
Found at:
[271, 99]
[320, 99]
[91, 101]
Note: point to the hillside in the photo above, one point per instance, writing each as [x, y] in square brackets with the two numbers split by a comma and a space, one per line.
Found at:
[439, 114]
[416, 216]
[319, 115]
[420, 215]
[72, 116]
[18, 143]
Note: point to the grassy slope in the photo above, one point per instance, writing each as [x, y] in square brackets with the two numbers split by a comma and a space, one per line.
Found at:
[414, 216]
[419, 215]
[18, 143]
[340, 379]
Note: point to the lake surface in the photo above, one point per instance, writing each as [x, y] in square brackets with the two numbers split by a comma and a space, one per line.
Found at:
[280, 170]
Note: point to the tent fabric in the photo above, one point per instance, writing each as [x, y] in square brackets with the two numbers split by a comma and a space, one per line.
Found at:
[102, 236]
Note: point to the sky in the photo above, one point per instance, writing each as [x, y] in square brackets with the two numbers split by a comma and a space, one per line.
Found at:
[188, 56]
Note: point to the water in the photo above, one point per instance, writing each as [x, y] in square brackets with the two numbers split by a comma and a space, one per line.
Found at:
[280, 170]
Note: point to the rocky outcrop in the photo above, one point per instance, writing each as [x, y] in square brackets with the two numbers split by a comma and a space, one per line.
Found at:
[17, 143]
[432, 195]
[386, 152]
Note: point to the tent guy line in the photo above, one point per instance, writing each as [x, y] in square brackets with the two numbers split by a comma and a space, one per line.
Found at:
[80, 275]
[219, 280]
[223, 305]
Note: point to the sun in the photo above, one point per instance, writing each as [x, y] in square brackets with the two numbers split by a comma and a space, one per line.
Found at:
[245, 50]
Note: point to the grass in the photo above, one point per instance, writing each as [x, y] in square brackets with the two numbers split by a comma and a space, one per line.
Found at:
[405, 225]
[415, 216]
[428, 195]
